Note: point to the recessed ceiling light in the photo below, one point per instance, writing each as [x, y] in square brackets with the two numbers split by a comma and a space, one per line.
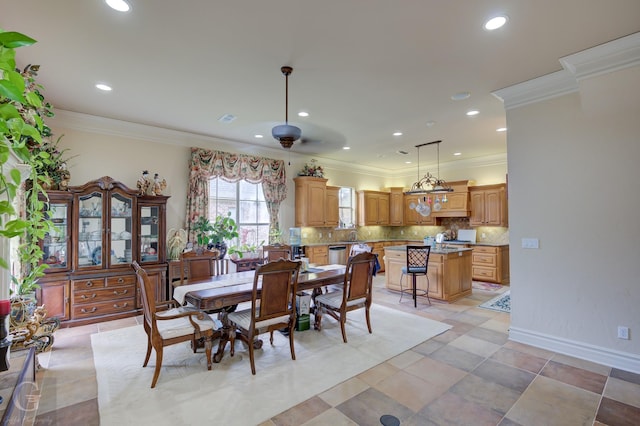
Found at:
[119, 5]
[346, 147]
[495, 23]
[103, 87]
[461, 96]
[457, 154]
[407, 162]
[431, 123]
[397, 134]
[303, 114]
[501, 129]
[473, 112]
[258, 136]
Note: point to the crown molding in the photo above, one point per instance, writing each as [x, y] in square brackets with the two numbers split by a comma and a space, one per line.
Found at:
[605, 58]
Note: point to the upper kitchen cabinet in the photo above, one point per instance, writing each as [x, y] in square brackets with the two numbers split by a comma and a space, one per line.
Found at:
[457, 204]
[332, 206]
[311, 194]
[373, 208]
[489, 205]
[411, 216]
[396, 206]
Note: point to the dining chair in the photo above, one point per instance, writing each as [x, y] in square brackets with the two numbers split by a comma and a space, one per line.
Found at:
[273, 306]
[417, 264]
[198, 265]
[355, 293]
[175, 325]
[275, 252]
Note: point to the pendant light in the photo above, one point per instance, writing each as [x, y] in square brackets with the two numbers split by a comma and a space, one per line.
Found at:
[285, 133]
[429, 184]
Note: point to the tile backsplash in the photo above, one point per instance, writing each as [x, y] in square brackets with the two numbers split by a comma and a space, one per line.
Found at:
[488, 234]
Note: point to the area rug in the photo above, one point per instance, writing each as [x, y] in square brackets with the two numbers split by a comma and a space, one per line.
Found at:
[187, 393]
[500, 303]
[480, 285]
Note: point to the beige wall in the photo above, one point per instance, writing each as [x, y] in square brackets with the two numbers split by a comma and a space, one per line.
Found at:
[573, 184]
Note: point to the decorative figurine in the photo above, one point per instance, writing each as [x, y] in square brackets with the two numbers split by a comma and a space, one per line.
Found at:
[143, 182]
[158, 185]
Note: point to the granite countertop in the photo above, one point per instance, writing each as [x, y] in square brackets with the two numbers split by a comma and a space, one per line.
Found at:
[419, 241]
[435, 251]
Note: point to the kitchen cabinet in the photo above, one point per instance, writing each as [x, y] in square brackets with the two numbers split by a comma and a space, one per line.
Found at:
[396, 206]
[457, 204]
[490, 263]
[318, 255]
[411, 216]
[310, 202]
[99, 229]
[378, 249]
[332, 209]
[373, 208]
[488, 205]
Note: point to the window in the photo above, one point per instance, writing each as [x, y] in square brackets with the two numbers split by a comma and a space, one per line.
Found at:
[346, 207]
[246, 203]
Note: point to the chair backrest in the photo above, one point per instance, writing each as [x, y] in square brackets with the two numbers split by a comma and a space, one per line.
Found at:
[417, 257]
[147, 293]
[276, 252]
[274, 288]
[359, 277]
[198, 265]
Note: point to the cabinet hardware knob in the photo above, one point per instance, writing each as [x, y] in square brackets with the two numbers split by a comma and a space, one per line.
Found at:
[93, 296]
[115, 305]
[120, 280]
[89, 284]
[121, 293]
[84, 311]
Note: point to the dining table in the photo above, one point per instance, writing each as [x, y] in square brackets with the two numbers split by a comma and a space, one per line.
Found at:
[222, 293]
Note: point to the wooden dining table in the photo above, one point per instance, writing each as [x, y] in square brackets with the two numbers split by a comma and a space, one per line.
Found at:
[227, 291]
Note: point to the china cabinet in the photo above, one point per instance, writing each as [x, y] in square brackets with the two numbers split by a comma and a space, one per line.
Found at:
[99, 229]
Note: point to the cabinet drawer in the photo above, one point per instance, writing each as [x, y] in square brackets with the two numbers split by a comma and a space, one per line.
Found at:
[104, 308]
[484, 274]
[121, 280]
[103, 294]
[485, 249]
[89, 284]
[484, 259]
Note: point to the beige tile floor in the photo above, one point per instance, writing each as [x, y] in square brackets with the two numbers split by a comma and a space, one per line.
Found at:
[470, 375]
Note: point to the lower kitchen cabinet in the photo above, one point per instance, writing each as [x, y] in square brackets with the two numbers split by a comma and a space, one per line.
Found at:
[318, 255]
[491, 264]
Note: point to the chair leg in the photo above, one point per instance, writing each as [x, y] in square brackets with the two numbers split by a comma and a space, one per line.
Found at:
[253, 364]
[343, 319]
[208, 344]
[156, 373]
[401, 292]
[428, 283]
[415, 298]
[149, 347]
[293, 352]
[317, 320]
[232, 339]
[368, 319]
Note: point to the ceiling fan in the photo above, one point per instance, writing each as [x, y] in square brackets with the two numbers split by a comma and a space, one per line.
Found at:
[286, 133]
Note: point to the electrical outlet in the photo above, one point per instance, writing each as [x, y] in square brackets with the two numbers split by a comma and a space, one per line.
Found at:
[320, 235]
[483, 236]
[623, 332]
[401, 232]
[329, 234]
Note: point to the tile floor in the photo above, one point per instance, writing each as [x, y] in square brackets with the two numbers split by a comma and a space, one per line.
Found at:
[470, 375]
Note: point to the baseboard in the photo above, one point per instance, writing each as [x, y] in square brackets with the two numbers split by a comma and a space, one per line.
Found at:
[622, 360]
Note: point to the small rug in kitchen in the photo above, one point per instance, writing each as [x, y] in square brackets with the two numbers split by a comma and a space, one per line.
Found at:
[480, 285]
[500, 303]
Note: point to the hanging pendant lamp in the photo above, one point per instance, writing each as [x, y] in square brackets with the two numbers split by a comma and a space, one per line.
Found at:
[429, 184]
[285, 133]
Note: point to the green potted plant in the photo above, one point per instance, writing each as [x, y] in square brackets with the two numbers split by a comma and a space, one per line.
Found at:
[215, 234]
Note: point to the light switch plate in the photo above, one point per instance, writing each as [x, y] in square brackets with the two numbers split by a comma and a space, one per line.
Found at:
[530, 243]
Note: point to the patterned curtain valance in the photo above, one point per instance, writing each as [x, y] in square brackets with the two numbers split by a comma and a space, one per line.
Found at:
[206, 163]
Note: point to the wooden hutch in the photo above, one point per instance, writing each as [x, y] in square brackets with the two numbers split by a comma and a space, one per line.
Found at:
[99, 229]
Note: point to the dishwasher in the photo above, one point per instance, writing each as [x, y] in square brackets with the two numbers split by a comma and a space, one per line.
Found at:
[337, 255]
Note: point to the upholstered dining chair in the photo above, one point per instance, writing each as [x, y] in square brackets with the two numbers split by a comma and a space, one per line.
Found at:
[354, 294]
[171, 326]
[198, 265]
[273, 306]
[417, 264]
[275, 252]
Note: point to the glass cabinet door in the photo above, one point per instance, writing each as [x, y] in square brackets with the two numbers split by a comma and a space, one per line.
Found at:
[90, 233]
[55, 245]
[121, 230]
[149, 232]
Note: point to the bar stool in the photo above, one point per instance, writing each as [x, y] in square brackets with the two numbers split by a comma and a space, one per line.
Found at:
[417, 263]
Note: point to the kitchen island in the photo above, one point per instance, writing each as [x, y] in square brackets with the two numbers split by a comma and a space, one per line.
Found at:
[449, 272]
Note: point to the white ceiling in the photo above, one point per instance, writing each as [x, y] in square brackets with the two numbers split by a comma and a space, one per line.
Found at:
[362, 69]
